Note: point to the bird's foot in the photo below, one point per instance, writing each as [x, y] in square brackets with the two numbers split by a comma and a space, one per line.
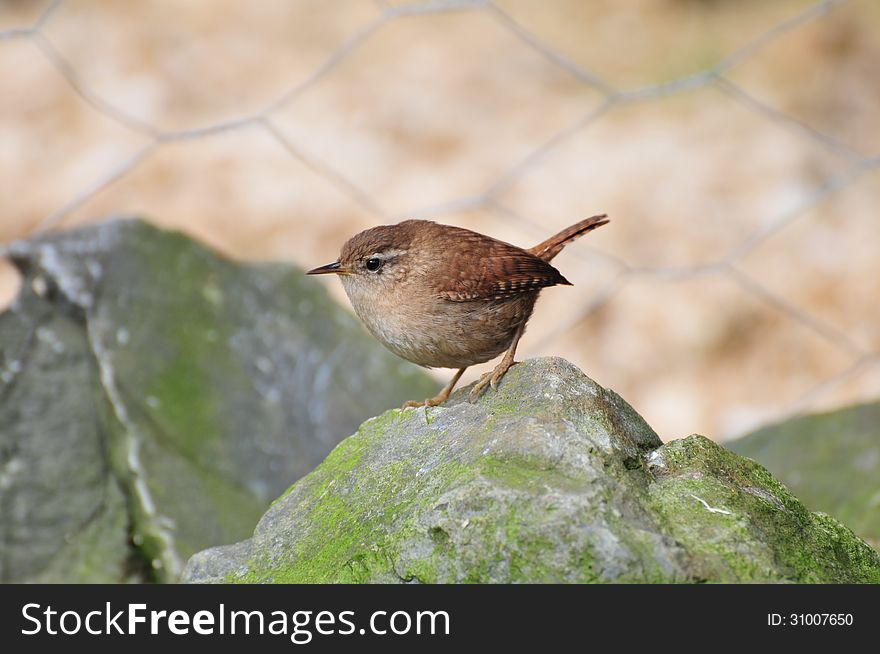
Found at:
[491, 378]
[441, 397]
[431, 401]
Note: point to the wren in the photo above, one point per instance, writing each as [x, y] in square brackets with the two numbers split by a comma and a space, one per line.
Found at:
[447, 297]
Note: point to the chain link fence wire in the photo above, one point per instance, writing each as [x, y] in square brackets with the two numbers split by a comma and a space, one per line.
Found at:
[612, 98]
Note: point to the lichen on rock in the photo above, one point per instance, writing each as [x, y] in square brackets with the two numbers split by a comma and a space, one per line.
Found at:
[550, 479]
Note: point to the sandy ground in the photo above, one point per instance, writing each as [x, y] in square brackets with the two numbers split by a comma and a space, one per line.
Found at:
[677, 305]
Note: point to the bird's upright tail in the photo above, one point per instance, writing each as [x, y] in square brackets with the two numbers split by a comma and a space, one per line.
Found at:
[553, 245]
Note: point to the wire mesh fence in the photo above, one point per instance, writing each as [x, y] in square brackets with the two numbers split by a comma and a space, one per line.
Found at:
[606, 98]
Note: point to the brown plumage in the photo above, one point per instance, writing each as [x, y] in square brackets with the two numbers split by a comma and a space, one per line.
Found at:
[494, 270]
[548, 250]
[443, 296]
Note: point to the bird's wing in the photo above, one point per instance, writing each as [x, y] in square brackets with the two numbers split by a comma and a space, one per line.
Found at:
[483, 268]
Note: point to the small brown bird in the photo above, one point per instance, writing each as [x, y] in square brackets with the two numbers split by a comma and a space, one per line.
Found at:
[447, 297]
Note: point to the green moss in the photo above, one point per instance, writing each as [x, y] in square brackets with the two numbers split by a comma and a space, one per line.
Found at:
[348, 539]
[745, 525]
[831, 461]
[470, 494]
[737, 523]
[520, 472]
[184, 391]
[183, 387]
[857, 564]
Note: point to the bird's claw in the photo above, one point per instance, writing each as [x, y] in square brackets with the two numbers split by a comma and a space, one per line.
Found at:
[431, 401]
[491, 379]
[478, 388]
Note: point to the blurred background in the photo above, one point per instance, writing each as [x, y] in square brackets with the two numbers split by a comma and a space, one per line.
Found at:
[734, 143]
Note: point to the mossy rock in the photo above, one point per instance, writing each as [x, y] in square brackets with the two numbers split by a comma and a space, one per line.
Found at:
[155, 397]
[830, 460]
[550, 479]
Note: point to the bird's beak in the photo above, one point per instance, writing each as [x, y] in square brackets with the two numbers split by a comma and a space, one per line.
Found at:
[334, 268]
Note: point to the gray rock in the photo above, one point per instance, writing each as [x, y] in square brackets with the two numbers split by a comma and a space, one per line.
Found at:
[550, 479]
[830, 460]
[154, 397]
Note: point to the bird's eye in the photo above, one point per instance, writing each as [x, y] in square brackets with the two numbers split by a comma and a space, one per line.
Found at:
[374, 264]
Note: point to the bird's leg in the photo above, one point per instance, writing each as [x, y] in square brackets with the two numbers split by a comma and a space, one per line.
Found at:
[492, 377]
[442, 396]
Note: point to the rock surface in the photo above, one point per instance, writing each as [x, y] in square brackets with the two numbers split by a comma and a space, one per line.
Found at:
[830, 460]
[154, 397]
[550, 479]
